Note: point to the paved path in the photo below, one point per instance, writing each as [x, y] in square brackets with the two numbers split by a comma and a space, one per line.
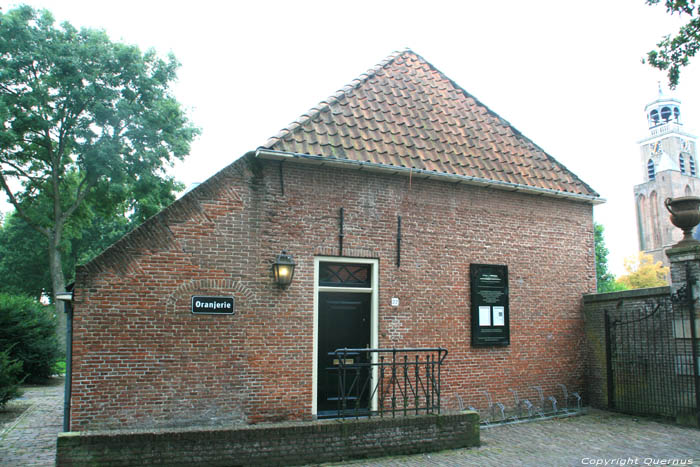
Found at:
[31, 439]
[591, 439]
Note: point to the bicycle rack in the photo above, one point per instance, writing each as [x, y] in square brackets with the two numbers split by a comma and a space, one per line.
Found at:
[566, 398]
[578, 400]
[518, 405]
[539, 408]
[498, 412]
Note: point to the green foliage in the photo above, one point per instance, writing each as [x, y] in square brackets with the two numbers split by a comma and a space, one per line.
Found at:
[604, 279]
[23, 259]
[28, 330]
[675, 52]
[23, 262]
[10, 379]
[87, 127]
[614, 286]
[60, 367]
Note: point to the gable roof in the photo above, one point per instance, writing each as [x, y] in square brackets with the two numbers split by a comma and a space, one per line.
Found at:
[405, 115]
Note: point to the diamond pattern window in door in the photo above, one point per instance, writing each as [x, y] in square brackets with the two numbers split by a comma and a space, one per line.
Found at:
[345, 275]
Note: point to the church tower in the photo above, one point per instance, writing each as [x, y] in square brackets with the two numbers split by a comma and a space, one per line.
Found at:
[670, 167]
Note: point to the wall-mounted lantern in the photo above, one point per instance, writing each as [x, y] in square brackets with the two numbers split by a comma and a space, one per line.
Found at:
[283, 269]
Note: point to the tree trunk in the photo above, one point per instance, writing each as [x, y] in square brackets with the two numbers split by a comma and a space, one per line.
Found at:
[58, 283]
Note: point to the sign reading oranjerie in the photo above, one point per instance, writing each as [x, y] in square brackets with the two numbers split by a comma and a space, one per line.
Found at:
[213, 305]
[489, 304]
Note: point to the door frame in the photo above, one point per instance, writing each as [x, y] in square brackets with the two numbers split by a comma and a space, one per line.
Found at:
[374, 313]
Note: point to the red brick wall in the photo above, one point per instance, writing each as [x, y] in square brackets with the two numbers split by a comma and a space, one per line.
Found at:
[286, 443]
[142, 359]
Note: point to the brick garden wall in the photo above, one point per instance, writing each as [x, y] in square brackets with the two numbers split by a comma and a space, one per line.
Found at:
[616, 304]
[142, 359]
[286, 444]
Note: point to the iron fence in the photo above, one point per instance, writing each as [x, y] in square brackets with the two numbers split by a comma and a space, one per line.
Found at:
[379, 382]
[652, 357]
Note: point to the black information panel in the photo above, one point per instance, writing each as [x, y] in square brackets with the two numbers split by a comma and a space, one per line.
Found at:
[213, 305]
[489, 299]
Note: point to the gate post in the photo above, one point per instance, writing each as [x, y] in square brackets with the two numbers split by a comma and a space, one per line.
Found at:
[685, 271]
[608, 363]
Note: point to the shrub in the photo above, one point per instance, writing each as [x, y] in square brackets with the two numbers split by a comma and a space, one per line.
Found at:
[60, 367]
[28, 330]
[10, 371]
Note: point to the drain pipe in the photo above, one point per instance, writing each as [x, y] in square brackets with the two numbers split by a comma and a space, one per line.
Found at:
[67, 299]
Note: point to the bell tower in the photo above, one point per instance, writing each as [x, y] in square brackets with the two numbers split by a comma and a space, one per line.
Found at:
[670, 169]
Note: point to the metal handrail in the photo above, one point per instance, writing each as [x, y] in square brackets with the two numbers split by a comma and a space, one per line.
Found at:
[377, 385]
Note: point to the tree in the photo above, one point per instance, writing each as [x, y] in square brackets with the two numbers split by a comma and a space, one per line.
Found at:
[10, 378]
[674, 53]
[85, 124]
[605, 281]
[24, 264]
[28, 330]
[23, 261]
[643, 272]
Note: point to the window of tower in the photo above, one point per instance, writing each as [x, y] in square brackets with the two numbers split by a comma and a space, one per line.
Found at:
[676, 113]
[666, 113]
[654, 217]
[691, 163]
[654, 116]
[642, 222]
[681, 163]
[650, 170]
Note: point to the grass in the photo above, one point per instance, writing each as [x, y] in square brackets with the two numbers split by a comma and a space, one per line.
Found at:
[60, 367]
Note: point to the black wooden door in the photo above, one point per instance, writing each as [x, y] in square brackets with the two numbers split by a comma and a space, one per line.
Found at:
[343, 322]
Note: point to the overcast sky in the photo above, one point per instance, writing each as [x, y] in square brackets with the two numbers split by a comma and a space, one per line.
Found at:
[568, 75]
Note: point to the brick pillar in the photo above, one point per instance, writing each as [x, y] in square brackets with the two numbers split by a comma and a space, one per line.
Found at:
[680, 258]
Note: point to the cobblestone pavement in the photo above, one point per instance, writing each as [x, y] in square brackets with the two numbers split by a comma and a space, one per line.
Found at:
[590, 439]
[31, 438]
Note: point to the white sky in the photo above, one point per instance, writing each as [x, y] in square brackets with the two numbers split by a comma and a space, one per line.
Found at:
[568, 75]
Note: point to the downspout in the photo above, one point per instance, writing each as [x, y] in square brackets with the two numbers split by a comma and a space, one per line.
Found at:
[67, 299]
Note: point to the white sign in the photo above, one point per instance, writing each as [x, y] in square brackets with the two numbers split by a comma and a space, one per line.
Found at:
[484, 316]
[499, 316]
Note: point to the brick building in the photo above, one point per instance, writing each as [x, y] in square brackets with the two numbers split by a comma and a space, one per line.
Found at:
[386, 195]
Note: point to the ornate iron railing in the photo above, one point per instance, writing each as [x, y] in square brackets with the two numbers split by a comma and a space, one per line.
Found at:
[379, 382]
[653, 356]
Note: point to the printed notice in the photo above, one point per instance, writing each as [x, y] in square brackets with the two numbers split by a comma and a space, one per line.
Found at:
[499, 316]
[489, 304]
[484, 316]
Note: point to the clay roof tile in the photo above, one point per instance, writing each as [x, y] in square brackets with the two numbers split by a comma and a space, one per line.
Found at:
[405, 112]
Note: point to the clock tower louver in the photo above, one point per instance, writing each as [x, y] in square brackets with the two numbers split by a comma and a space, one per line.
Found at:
[669, 164]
